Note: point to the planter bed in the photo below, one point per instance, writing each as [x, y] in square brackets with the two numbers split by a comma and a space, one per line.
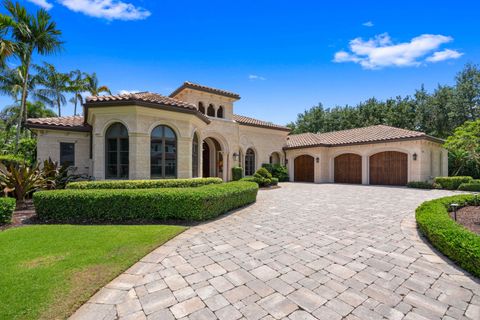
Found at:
[449, 237]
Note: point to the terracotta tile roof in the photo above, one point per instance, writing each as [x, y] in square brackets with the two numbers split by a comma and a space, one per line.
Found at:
[363, 135]
[200, 87]
[73, 123]
[258, 123]
[145, 97]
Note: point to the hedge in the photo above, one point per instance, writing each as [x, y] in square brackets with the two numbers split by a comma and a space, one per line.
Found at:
[452, 183]
[237, 173]
[420, 185]
[144, 184]
[471, 186]
[127, 205]
[7, 207]
[452, 239]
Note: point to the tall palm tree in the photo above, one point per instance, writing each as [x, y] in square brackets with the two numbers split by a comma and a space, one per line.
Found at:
[33, 34]
[78, 84]
[7, 49]
[93, 87]
[54, 86]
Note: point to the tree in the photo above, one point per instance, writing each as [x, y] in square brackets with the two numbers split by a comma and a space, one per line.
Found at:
[54, 86]
[33, 34]
[93, 87]
[78, 84]
[464, 146]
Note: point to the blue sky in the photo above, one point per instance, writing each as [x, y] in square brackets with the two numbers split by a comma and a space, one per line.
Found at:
[282, 57]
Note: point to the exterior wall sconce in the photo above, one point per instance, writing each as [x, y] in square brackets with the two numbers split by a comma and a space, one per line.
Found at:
[235, 156]
[318, 159]
[414, 157]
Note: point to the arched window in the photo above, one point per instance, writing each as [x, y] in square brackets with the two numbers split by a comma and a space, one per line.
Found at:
[201, 108]
[195, 156]
[220, 112]
[211, 111]
[249, 162]
[116, 148]
[163, 153]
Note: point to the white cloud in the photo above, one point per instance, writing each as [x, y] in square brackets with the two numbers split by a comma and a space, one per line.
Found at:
[42, 3]
[380, 51]
[368, 24]
[256, 77]
[444, 55]
[128, 91]
[107, 9]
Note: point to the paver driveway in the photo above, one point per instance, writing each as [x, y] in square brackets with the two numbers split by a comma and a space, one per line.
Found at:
[303, 251]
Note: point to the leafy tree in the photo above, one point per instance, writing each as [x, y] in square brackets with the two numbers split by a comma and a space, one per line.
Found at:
[32, 34]
[464, 146]
[54, 86]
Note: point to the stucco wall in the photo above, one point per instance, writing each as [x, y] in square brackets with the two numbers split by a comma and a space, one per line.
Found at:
[432, 159]
[48, 146]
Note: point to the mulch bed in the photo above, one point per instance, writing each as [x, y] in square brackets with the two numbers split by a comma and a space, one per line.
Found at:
[469, 217]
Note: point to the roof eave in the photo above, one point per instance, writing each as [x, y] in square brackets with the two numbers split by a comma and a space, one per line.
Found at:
[146, 104]
[264, 126]
[61, 128]
[212, 91]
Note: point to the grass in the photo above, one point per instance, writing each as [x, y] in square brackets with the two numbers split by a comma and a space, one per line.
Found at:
[48, 271]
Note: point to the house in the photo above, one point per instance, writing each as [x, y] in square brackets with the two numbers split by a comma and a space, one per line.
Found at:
[194, 132]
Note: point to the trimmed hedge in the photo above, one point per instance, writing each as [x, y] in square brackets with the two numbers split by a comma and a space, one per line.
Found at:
[452, 183]
[420, 185]
[143, 184]
[471, 186]
[118, 206]
[7, 207]
[237, 173]
[453, 240]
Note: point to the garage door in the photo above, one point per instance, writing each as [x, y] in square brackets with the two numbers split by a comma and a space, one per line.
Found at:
[389, 168]
[348, 168]
[304, 169]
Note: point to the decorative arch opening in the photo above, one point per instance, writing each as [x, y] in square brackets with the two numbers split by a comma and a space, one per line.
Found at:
[201, 107]
[275, 158]
[249, 162]
[212, 157]
[211, 111]
[220, 112]
[163, 153]
[117, 152]
[195, 156]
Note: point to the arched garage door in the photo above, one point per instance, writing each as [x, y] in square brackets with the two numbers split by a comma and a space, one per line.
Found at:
[348, 168]
[304, 169]
[389, 168]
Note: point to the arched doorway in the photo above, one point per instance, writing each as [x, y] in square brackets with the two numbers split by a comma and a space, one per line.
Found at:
[348, 168]
[389, 168]
[212, 158]
[304, 169]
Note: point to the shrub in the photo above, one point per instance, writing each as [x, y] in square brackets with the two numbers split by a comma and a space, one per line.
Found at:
[237, 173]
[420, 185]
[274, 181]
[452, 183]
[10, 159]
[144, 184]
[471, 186]
[117, 206]
[278, 171]
[7, 207]
[21, 180]
[456, 242]
[263, 178]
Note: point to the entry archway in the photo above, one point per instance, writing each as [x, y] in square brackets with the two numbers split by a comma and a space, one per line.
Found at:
[212, 158]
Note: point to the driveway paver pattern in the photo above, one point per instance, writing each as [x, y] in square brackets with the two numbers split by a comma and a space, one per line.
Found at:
[303, 251]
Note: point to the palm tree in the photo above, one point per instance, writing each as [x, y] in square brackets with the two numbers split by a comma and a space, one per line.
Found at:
[78, 84]
[54, 86]
[93, 87]
[33, 34]
[7, 49]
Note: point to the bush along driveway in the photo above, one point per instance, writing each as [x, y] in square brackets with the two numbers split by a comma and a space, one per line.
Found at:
[329, 251]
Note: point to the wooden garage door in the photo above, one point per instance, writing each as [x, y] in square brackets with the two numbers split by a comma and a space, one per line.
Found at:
[348, 168]
[389, 168]
[304, 169]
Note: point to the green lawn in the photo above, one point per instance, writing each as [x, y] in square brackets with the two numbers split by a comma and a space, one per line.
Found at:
[48, 271]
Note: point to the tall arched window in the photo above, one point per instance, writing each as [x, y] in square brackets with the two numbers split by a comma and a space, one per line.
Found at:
[249, 162]
[116, 148]
[201, 108]
[220, 112]
[211, 111]
[163, 153]
[195, 156]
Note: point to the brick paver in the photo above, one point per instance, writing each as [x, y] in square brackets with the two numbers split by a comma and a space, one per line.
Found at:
[303, 251]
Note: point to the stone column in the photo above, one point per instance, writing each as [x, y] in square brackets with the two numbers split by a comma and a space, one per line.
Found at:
[184, 157]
